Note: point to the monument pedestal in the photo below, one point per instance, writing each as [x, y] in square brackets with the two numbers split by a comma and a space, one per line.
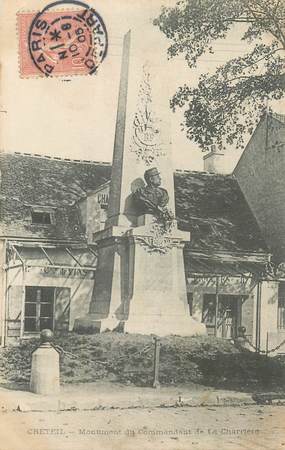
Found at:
[140, 283]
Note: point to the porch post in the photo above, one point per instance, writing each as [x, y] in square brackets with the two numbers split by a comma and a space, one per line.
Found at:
[23, 301]
[3, 292]
[217, 305]
[258, 316]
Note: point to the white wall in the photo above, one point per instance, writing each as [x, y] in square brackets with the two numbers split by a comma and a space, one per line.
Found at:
[269, 309]
[81, 289]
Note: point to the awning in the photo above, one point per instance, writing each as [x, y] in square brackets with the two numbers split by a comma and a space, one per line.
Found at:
[56, 256]
[196, 265]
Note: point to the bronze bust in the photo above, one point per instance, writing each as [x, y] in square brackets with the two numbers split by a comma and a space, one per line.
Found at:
[151, 199]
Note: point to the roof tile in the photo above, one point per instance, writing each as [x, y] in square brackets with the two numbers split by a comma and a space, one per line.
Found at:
[211, 206]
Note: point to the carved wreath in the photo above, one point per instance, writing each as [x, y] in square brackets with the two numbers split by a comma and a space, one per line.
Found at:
[146, 139]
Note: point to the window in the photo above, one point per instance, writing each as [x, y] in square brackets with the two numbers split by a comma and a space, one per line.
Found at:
[39, 308]
[281, 304]
[41, 217]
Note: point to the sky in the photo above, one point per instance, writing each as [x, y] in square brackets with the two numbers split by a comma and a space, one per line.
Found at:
[75, 117]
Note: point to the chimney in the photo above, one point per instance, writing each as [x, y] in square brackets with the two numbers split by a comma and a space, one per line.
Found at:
[214, 161]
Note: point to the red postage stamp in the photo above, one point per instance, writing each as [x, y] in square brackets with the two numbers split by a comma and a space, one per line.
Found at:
[61, 43]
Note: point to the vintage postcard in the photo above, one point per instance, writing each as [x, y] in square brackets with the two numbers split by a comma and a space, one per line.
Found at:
[142, 224]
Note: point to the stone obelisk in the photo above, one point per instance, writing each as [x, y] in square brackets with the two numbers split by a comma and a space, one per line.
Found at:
[140, 279]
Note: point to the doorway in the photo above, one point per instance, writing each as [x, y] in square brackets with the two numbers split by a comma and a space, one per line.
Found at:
[222, 319]
[229, 316]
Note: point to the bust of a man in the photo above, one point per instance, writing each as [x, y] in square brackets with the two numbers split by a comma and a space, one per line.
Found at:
[151, 199]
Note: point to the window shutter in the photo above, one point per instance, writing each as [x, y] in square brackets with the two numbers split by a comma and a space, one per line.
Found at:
[15, 297]
[62, 309]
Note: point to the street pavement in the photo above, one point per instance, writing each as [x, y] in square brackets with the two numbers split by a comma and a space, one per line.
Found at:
[206, 428]
[105, 415]
[89, 396]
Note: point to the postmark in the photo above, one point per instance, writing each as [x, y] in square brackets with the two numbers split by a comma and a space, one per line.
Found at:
[71, 40]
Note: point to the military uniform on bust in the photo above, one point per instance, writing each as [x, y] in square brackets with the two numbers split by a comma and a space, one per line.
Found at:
[151, 199]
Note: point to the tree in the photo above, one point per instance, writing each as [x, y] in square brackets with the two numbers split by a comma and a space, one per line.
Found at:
[226, 105]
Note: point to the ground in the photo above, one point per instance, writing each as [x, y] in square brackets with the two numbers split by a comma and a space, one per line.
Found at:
[111, 375]
[128, 358]
[223, 428]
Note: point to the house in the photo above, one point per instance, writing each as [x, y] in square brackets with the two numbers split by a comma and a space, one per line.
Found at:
[47, 265]
[49, 210]
[260, 175]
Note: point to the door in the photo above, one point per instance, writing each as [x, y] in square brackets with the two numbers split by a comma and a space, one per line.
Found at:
[229, 316]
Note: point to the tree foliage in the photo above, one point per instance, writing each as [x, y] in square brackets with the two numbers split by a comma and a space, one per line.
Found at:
[227, 104]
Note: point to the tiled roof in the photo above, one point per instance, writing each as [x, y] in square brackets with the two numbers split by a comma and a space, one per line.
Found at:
[33, 180]
[214, 209]
[211, 206]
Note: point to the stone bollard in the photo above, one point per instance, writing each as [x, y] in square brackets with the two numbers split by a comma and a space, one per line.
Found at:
[45, 367]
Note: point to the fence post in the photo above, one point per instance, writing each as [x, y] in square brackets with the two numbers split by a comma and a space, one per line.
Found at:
[156, 383]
